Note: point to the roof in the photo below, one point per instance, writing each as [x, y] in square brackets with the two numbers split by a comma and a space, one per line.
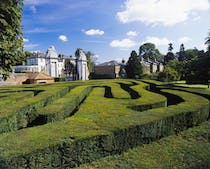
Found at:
[110, 63]
[51, 52]
[39, 76]
[80, 55]
[37, 55]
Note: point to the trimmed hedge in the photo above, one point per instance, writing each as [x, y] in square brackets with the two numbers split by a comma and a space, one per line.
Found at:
[204, 92]
[8, 99]
[190, 149]
[101, 127]
[119, 93]
[65, 106]
[23, 112]
[148, 99]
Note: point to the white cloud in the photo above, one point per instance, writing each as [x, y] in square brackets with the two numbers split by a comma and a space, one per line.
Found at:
[40, 30]
[63, 38]
[33, 8]
[92, 32]
[157, 41]
[166, 12]
[184, 39]
[30, 46]
[124, 43]
[132, 33]
[25, 40]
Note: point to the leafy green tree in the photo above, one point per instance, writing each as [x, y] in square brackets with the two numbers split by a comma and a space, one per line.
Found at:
[177, 66]
[195, 66]
[69, 67]
[169, 74]
[199, 69]
[168, 57]
[189, 62]
[133, 67]
[11, 40]
[28, 54]
[189, 54]
[148, 50]
[90, 60]
[23, 59]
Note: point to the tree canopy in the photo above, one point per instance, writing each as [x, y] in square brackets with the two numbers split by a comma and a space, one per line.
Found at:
[90, 60]
[148, 50]
[11, 40]
[69, 67]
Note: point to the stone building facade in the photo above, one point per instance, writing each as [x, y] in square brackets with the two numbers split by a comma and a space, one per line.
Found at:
[48, 63]
[81, 65]
[150, 66]
[107, 70]
[53, 65]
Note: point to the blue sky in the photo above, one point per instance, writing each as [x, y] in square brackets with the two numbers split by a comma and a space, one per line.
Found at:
[111, 29]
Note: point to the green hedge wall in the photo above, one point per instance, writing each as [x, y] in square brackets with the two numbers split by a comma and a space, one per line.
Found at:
[11, 97]
[189, 150]
[101, 127]
[21, 113]
[65, 106]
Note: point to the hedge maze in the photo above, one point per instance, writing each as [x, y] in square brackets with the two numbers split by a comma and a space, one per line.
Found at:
[104, 124]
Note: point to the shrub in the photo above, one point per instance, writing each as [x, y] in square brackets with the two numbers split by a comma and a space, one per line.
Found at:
[101, 127]
[169, 74]
[65, 106]
[23, 112]
[190, 149]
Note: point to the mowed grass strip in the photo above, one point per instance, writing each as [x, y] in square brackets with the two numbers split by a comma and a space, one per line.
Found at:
[190, 149]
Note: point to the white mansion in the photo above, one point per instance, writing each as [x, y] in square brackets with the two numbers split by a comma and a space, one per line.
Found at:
[53, 65]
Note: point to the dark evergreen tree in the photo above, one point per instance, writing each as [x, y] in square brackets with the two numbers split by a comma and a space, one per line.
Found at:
[181, 53]
[170, 55]
[170, 47]
[133, 67]
[11, 40]
[182, 48]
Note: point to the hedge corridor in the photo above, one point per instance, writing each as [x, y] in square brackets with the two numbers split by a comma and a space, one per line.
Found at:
[104, 124]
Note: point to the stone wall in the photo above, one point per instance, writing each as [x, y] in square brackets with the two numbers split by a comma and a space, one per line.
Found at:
[107, 71]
